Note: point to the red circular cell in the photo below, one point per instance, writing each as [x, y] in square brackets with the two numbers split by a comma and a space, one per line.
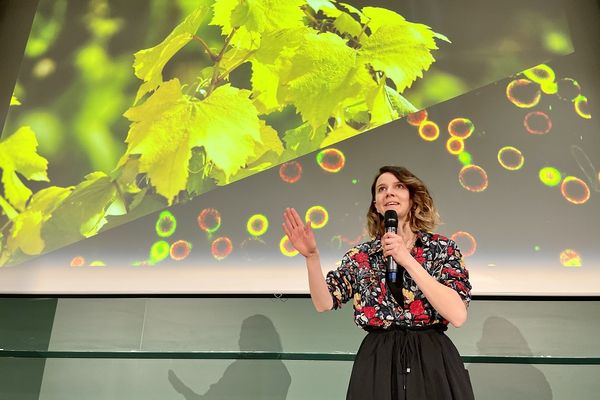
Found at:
[416, 118]
[575, 190]
[466, 242]
[77, 261]
[290, 172]
[209, 220]
[221, 248]
[461, 128]
[180, 250]
[537, 123]
[473, 178]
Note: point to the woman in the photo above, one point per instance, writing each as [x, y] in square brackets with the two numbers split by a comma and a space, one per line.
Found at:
[406, 354]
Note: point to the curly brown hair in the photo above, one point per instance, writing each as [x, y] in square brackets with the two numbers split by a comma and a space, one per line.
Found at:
[422, 216]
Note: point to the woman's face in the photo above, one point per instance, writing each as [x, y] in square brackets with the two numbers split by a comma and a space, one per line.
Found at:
[391, 194]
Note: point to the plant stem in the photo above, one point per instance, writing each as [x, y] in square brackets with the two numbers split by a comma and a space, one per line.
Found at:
[308, 13]
[215, 77]
[227, 41]
[206, 48]
[5, 226]
[364, 28]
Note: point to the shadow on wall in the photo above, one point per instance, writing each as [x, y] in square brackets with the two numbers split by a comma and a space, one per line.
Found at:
[247, 379]
[506, 381]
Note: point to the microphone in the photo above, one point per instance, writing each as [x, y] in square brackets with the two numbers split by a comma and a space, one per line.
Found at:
[391, 225]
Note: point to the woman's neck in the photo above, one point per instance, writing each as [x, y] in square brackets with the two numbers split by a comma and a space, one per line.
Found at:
[406, 230]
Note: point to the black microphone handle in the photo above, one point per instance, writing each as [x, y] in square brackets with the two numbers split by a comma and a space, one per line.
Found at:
[391, 267]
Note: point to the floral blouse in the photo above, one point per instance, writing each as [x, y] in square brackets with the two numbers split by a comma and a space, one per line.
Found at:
[361, 277]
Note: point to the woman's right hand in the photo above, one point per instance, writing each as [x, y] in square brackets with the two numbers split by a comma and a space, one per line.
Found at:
[301, 236]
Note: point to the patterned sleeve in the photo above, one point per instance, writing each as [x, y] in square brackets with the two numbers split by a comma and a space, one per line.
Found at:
[454, 272]
[341, 281]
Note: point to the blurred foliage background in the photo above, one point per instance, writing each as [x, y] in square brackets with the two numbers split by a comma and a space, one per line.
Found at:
[76, 79]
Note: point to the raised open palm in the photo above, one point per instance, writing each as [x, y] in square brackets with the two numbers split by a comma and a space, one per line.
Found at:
[301, 236]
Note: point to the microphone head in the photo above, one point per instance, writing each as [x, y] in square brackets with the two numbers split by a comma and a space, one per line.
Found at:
[390, 219]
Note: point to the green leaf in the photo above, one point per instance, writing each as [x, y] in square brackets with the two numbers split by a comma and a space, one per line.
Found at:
[26, 232]
[14, 101]
[442, 37]
[357, 114]
[267, 151]
[168, 125]
[342, 132]
[303, 140]
[265, 83]
[82, 213]
[243, 38]
[232, 59]
[401, 49]
[257, 15]
[160, 133]
[197, 182]
[317, 5]
[269, 141]
[18, 153]
[401, 105]
[267, 15]
[266, 154]
[229, 128]
[271, 65]
[324, 78]
[352, 9]
[252, 18]
[149, 63]
[126, 176]
[9, 210]
[48, 199]
[346, 24]
[138, 199]
[222, 10]
[116, 208]
[380, 108]
[385, 105]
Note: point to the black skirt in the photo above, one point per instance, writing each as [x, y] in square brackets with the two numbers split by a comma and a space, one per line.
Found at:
[409, 364]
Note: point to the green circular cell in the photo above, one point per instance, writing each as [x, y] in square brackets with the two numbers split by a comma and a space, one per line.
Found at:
[465, 158]
[166, 224]
[550, 176]
[159, 251]
[540, 74]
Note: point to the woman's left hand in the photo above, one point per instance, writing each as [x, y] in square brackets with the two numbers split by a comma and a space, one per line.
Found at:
[393, 245]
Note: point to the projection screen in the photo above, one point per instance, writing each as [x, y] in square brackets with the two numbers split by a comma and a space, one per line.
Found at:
[151, 147]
